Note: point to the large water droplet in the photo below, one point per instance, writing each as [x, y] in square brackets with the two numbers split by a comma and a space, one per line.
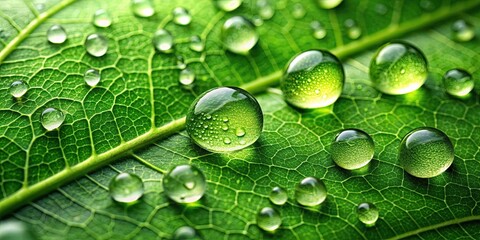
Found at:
[367, 213]
[126, 188]
[318, 31]
[388, 63]
[265, 9]
[52, 118]
[96, 45]
[228, 5]
[313, 79]
[329, 4]
[91, 77]
[352, 149]
[311, 192]
[186, 233]
[56, 34]
[268, 219]
[458, 82]
[238, 106]
[177, 181]
[463, 31]
[353, 30]
[163, 40]
[196, 44]
[181, 16]
[239, 35]
[278, 196]
[142, 8]
[18, 88]
[426, 152]
[15, 230]
[101, 18]
[187, 77]
[298, 11]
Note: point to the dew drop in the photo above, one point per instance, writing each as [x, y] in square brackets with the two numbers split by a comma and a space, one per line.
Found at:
[463, 31]
[298, 11]
[311, 192]
[126, 188]
[186, 77]
[352, 149]
[184, 184]
[353, 30]
[18, 88]
[227, 140]
[257, 20]
[181, 16]
[196, 44]
[265, 9]
[52, 118]
[239, 35]
[101, 18]
[427, 5]
[142, 8]
[367, 213]
[181, 62]
[228, 5]
[278, 196]
[458, 82]
[318, 31]
[163, 40]
[186, 233]
[91, 77]
[96, 45]
[381, 9]
[240, 132]
[388, 63]
[56, 34]
[268, 219]
[310, 71]
[329, 4]
[426, 152]
[15, 230]
[242, 109]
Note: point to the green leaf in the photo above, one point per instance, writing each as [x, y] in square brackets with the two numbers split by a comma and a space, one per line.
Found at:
[133, 121]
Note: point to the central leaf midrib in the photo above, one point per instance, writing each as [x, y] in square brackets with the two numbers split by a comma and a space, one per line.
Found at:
[94, 162]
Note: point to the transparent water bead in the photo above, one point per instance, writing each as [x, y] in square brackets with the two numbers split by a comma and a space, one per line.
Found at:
[142, 8]
[239, 35]
[458, 82]
[163, 40]
[184, 184]
[18, 88]
[313, 79]
[91, 77]
[52, 118]
[126, 188]
[311, 192]
[15, 230]
[463, 31]
[56, 34]
[181, 16]
[101, 18]
[96, 45]
[268, 219]
[367, 213]
[352, 149]
[353, 30]
[186, 233]
[228, 5]
[329, 4]
[206, 123]
[181, 62]
[278, 196]
[398, 68]
[298, 11]
[426, 152]
[265, 9]
[318, 31]
[186, 77]
[197, 44]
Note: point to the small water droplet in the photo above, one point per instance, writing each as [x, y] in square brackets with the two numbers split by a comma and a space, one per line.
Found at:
[187, 77]
[52, 118]
[126, 188]
[181, 16]
[318, 31]
[381, 8]
[278, 196]
[176, 180]
[329, 4]
[298, 11]
[163, 40]
[239, 35]
[257, 20]
[91, 77]
[265, 9]
[353, 30]
[458, 82]
[228, 5]
[367, 213]
[427, 5]
[101, 18]
[189, 185]
[56, 34]
[227, 141]
[240, 132]
[310, 192]
[352, 149]
[181, 62]
[142, 8]
[18, 88]
[268, 219]
[186, 233]
[196, 44]
[96, 45]
[15, 230]
[463, 31]
[225, 119]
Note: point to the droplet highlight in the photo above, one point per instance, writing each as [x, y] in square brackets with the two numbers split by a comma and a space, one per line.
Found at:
[238, 35]
[352, 149]
[298, 11]
[52, 118]
[184, 184]
[15, 230]
[265, 9]
[329, 4]
[463, 31]
[126, 188]
[318, 31]
[228, 5]
[101, 18]
[181, 16]
[163, 40]
[142, 8]
[197, 44]
[353, 30]
[186, 77]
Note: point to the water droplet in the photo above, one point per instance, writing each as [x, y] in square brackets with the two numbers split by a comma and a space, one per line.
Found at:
[186, 77]
[426, 152]
[463, 31]
[268, 219]
[242, 109]
[176, 180]
[427, 5]
[196, 44]
[52, 118]
[15, 230]
[18, 88]
[239, 35]
[186, 233]
[458, 82]
[126, 188]
[257, 20]
[298, 11]
[352, 149]
[381, 8]
[91, 77]
[96, 45]
[311, 192]
[265, 9]
[329, 4]
[387, 65]
[163, 40]
[353, 30]
[240, 132]
[181, 62]
[367, 213]
[319, 32]
[309, 71]
[56, 34]
[227, 140]
[228, 5]
[278, 196]
[101, 18]
[181, 16]
[142, 8]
